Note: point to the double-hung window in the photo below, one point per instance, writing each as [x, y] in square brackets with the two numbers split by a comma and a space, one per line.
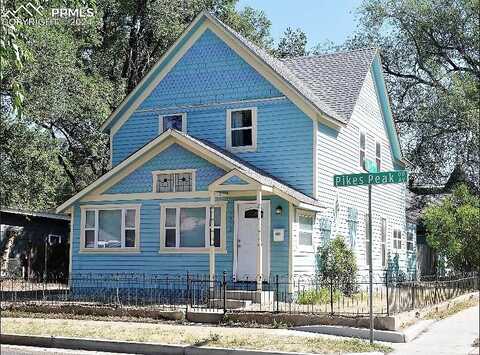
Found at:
[410, 246]
[397, 239]
[176, 121]
[363, 148]
[186, 228]
[110, 228]
[378, 155]
[174, 180]
[305, 229]
[242, 129]
[383, 233]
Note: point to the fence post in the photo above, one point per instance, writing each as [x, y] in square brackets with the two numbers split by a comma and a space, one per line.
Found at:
[331, 296]
[413, 295]
[386, 284]
[224, 288]
[276, 291]
[187, 298]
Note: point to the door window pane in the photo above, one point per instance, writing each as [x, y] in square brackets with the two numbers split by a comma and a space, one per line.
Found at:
[173, 122]
[192, 227]
[305, 238]
[110, 228]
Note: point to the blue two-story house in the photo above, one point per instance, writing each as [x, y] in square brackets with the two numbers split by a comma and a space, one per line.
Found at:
[222, 160]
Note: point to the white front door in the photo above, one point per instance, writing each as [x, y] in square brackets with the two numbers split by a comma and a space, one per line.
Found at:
[247, 222]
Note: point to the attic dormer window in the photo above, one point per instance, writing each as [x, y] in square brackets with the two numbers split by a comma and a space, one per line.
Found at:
[242, 130]
[176, 121]
[174, 181]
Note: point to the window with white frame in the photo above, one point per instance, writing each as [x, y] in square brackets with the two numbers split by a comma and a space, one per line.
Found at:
[242, 129]
[378, 155]
[363, 148]
[110, 227]
[176, 121]
[189, 227]
[383, 234]
[410, 245]
[352, 221]
[325, 230]
[397, 239]
[305, 229]
[367, 240]
[174, 181]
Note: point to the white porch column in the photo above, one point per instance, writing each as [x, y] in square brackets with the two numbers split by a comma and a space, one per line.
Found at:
[212, 240]
[259, 243]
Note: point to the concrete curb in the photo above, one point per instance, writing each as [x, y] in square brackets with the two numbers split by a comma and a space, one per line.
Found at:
[404, 336]
[132, 347]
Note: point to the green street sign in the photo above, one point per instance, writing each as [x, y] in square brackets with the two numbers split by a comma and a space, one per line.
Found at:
[384, 177]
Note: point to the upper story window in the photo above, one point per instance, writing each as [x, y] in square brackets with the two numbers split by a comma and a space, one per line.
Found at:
[242, 130]
[110, 228]
[174, 180]
[176, 121]
[363, 148]
[378, 155]
[397, 239]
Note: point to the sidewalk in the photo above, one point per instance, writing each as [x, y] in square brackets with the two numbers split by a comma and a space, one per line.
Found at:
[453, 335]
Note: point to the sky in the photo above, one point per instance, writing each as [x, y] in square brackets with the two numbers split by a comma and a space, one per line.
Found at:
[321, 20]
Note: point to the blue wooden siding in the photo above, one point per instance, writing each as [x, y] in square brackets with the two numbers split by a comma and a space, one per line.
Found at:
[234, 180]
[174, 157]
[149, 260]
[204, 84]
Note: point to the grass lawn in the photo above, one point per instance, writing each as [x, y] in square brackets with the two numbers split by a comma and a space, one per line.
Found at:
[452, 310]
[248, 338]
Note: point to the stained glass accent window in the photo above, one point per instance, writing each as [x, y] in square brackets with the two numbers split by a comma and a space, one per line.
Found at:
[174, 182]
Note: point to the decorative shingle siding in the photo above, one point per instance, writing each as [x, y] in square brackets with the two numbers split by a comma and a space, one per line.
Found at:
[234, 180]
[149, 260]
[207, 81]
[338, 153]
[174, 157]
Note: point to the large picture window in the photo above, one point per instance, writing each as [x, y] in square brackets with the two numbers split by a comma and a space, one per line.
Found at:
[242, 129]
[174, 180]
[110, 227]
[187, 227]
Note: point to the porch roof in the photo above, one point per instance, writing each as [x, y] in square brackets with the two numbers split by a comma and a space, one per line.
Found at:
[243, 168]
[219, 156]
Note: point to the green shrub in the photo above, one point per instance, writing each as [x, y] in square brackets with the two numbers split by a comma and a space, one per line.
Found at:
[336, 264]
[320, 296]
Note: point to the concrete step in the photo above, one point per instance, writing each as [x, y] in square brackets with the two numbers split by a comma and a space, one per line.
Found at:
[229, 303]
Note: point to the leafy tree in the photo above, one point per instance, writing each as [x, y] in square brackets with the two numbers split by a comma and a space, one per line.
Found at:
[75, 77]
[336, 263]
[453, 229]
[292, 44]
[431, 57]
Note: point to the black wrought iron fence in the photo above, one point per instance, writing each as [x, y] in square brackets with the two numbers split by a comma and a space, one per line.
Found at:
[314, 295]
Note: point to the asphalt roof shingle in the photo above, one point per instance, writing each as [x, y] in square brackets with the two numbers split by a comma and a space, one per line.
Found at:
[331, 82]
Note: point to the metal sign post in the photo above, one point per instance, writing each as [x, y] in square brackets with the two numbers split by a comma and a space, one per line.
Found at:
[372, 178]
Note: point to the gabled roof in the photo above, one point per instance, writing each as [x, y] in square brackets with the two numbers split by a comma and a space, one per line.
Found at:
[206, 149]
[335, 78]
